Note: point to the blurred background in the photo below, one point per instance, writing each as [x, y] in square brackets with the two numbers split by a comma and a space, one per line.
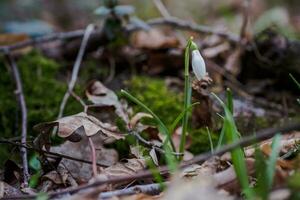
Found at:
[43, 16]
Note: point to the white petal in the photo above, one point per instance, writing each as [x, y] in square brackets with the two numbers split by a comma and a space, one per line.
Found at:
[198, 65]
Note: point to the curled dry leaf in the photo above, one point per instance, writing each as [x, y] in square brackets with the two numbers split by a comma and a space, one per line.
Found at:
[137, 118]
[131, 167]
[100, 95]
[128, 168]
[75, 126]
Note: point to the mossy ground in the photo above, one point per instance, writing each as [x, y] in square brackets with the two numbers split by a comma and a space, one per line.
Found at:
[167, 104]
[154, 93]
[43, 93]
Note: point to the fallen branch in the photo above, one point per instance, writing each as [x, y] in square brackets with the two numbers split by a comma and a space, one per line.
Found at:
[186, 25]
[49, 153]
[20, 97]
[151, 144]
[173, 22]
[259, 136]
[76, 67]
[43, 39]
[150, 189]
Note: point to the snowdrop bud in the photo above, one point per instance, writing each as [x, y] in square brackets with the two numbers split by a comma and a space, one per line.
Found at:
[198, 64]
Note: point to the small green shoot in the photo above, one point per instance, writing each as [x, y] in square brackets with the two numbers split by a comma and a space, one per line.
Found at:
[297, 83]
[180, 116]
[162, 126]
[238, 158]
[210, 140]
[187, 95]
[171, 160]
[265, 169]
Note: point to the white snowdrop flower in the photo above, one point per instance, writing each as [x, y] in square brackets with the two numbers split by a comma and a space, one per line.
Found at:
[198, 64]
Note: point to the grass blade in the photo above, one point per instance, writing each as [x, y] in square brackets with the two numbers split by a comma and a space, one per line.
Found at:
[180, 116]
[163, 127]
[273, 158]
[238, 158]
[210, 140]
[171, 160]
[296, 82]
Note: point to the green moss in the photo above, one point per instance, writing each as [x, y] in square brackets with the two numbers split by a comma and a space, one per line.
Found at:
[294, 185]
[200, 141]
[154, 93]
[43, 94]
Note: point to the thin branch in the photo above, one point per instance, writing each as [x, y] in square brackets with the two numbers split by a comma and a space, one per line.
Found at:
[173, 22]
[151, 144]
[162, 9]
[49, 153]
[94, 158]
[261, 135]
[190, 26]
[246, 13]
[150, 189]
[21, 99]
[43, 39]
[76, 67]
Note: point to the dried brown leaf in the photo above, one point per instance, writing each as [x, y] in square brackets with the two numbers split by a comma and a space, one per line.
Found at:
[80, 124]
[100, 95]
[131, 167]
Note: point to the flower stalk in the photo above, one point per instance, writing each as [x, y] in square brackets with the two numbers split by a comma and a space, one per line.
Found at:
[199, 70]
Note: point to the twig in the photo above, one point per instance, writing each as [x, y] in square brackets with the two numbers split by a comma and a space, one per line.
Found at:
[20, 97]
[246, 13]
[162, 9]
[165, 13]
[48, 153]
[43, 39]
[186, 25]
[76, 67]
[94, 159]
[151, 189]
[174, 22]
[261, 135]
[151, 144]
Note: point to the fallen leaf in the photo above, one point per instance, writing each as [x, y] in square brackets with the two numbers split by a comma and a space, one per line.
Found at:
[130, 167]
[79, 125]
[100, 95]
[82, 172]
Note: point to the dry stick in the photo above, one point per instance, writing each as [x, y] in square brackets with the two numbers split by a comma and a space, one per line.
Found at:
[151, 189]
[43, 39]
[151, 144]
[246, 13]
[162, 9]
[48, 153]
[165, 13]
[20, 96]
[93, 157]
[76, 67]
[173, 22]
[246, 141]
[186, 25]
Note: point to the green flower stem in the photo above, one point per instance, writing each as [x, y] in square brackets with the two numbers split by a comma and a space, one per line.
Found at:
[187, 96]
